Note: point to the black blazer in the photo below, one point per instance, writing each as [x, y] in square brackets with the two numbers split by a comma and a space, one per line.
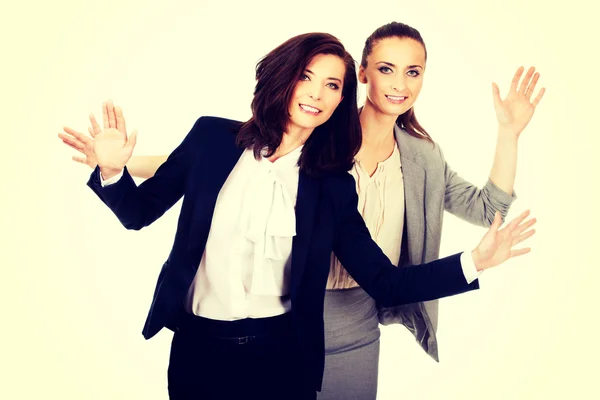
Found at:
[327, 220]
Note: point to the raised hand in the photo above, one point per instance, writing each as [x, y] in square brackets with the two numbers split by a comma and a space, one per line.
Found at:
[82, 144]
[497, 245]
[110, 148]
[516, 110]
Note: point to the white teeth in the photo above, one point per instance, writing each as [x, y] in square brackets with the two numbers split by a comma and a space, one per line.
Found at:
[310, 109]
[396, 97]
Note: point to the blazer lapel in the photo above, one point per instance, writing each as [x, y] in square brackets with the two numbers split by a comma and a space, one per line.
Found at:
[306, 205]
[211, 172]
[414, 195]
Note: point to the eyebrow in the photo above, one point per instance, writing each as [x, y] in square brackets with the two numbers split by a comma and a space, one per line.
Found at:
[331, 77]
[394, 66]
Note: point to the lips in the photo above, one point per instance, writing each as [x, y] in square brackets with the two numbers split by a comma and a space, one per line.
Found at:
[396, 99]
[309, 109]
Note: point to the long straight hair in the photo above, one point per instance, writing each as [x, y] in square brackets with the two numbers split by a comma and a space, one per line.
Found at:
[408, 120]
[332, 146]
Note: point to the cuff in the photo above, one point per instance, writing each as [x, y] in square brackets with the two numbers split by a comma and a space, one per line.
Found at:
[468, 267]
[109, 181]
[496, 193]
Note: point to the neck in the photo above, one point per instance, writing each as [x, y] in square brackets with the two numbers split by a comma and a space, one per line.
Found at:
[290, 141]
[377, 128]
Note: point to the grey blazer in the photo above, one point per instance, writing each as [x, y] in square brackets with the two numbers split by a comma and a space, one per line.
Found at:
[430, 187]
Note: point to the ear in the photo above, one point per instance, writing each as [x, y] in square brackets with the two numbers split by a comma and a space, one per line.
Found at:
[362, 76]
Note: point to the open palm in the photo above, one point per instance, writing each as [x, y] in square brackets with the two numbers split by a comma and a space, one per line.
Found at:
[110, 147]
[496, 246]
[516, 110]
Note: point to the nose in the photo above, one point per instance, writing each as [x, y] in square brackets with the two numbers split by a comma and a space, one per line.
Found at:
[399, 83]
[314, 92]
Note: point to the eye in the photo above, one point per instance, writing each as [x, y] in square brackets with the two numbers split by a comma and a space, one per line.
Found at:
[304, 77]
[385, 70]
[333, 86]
[413, 73]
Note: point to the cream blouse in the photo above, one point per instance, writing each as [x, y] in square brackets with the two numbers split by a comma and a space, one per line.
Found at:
[381, 204]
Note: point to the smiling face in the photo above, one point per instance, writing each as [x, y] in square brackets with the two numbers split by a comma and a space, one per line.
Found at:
[317, 93]
[394, 75]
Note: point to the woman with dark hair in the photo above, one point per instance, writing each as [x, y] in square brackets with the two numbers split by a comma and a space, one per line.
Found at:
[266, 203]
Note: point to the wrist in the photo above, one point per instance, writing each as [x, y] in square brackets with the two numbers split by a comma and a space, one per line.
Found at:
[476, 257]
[108, 173]
[507, 134]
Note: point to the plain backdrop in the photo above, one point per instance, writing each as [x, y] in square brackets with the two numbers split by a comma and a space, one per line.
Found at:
[75, 286]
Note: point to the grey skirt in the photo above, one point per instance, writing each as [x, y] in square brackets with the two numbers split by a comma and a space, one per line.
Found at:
[351, 346]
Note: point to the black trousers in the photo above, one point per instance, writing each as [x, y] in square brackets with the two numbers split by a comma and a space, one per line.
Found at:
[244, 359]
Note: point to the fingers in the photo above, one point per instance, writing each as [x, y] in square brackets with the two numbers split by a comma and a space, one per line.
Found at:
[80, 136]
[105, 122]
[74, 137]
[496, 94]
[132, 139]
[95, 129]
[112, 118]
[516, 79]
[538, 97]
[516, 221]
[79, 159]
[531, 86]
[73, 145]
[526, 80]
[519, 252]
[523, 237]
[523, 227]
[120, 120]
[497, 222]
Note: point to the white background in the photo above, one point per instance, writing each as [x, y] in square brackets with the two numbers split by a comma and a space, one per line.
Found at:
[76, 286]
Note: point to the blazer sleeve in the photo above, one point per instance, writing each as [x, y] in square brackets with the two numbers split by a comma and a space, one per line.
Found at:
[469, 202]
[139, 206]
[368, 265]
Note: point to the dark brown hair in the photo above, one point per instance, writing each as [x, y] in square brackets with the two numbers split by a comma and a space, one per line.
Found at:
[332, 145]
[408, 120]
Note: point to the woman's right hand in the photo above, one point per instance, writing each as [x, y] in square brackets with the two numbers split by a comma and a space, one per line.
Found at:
[111, 147]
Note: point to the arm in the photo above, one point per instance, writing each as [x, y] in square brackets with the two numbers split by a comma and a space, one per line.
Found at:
[138, 166]
[514, 113]
[392, 286]
[504, 169]
[137, 206]
[145, 166]
[467, 201]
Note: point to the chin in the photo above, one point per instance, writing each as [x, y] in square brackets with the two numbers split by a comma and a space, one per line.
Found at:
[392, 110]
[307, 122]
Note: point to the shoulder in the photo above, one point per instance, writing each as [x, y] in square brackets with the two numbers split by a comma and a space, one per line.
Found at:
[217, 124]
[208, 134]
[209, 130]
[421, 151]
[416, 144]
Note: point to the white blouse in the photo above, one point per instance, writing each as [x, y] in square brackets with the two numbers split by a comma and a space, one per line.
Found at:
[245, 269]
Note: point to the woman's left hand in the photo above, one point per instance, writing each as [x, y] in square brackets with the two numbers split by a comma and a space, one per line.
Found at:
[496, 246]
[516, 110]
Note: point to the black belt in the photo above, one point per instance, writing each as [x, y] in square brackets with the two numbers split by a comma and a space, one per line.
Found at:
[236, 332]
